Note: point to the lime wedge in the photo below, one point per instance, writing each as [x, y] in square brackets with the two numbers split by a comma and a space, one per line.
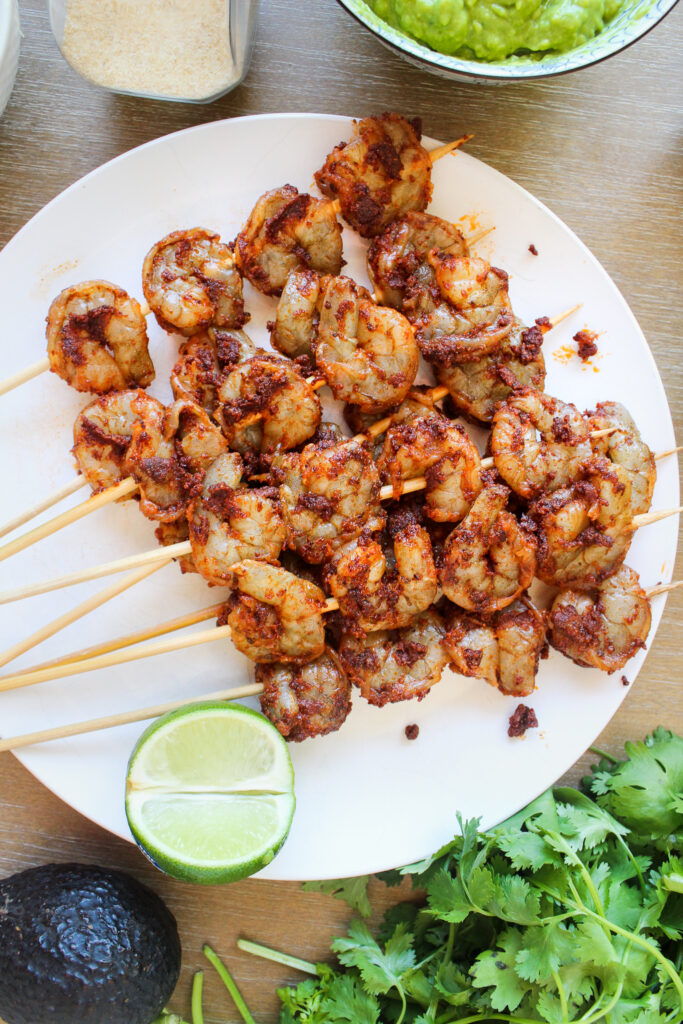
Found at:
[210, 792]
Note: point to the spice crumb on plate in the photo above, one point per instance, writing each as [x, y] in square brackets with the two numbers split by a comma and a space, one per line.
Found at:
[533, 250]
[586, 342]
[412, 732]
[521, 719]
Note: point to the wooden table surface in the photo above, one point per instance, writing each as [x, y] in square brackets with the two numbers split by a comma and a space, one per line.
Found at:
[600, 147]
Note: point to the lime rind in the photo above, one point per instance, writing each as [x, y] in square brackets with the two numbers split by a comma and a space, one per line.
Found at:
[210, 792]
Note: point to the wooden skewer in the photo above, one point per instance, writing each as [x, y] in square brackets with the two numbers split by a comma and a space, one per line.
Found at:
[143, 714]
[72, 515]
[42, 506]
[149, 633]
[113, 590]
[124, 718]
[162, 554]
[17, 681]
[21, 376]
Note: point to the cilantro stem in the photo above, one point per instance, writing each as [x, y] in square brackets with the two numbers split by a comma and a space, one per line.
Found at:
[232, 988]
[603, 753]
[643, 943]
[266, 953]
[606, 1009]
[197, 987]
[563, 996]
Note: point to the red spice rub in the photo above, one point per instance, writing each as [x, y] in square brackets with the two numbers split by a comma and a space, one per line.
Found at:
[521, 719]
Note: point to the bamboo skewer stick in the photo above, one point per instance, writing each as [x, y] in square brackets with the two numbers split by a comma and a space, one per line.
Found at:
[162, 554]
[149, 633]
[124, 718]
[42, 506]
[143, 714]
[21, 376]
[72, 515]
[113, 590]
[17, 681]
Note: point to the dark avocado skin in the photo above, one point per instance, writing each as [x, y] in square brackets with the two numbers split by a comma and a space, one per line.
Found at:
[84, 945]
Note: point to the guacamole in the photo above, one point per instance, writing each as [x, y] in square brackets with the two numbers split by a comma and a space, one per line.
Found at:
[495, 29]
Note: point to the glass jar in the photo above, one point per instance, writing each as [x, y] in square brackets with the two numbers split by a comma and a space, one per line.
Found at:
[188, 50]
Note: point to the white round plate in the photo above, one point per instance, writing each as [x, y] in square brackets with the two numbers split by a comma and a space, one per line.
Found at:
[367, 798]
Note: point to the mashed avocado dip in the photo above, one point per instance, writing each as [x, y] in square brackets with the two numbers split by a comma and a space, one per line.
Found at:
[495, 29]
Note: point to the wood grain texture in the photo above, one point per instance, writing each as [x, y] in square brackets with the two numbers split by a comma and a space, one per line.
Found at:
[600, 147]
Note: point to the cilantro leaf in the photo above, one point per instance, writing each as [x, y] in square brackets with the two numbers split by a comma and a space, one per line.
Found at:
[346, 1001]
[381, 969]
[353, 891]
[497, 969]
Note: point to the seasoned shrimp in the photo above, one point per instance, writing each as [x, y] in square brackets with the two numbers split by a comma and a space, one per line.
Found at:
[265, 405]
[204, 360]
[393, 665]
[625, 447]
[97, 339]
[488, 559]
[367, 353]
[504, 649]
[274, 615]
[329, 495]
[434, 447]
[532, 466]
[190, 281]
[478, 387]
[308, 700]
[377, 175]
[197, 439]
[229, 522]
[103, 431]
[585, 529]
[604, 627]
[399, 255]
[383, 588]
[295, 327]
[468, 317]
[151, 461]
[287, 231]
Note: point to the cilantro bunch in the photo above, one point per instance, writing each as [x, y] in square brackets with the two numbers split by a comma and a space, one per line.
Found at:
[570, 911]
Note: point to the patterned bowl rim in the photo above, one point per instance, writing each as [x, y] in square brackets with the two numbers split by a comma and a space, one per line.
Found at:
[620, 33]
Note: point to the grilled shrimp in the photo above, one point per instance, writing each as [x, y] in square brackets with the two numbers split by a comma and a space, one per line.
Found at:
[265, 405]
[168, 454]
[393, 665]
[308, 700]
[190, 281]
[274, 615]
[367, 353]
[102, 433]
[295, 327]
[478, 387]
[531, 465]
[488, 559]
[287, 231]
[379, 174]
[585, 529]
[328, 495]
[229, 522]
[604, 627]
[97, 339]
[470, 314]
[399, 255]
[381, 588]
[626, 448]
[204, 360]
[434, 447]
[504, 649]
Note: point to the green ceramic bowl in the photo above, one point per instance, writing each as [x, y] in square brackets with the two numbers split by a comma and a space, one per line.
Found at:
[637, 18]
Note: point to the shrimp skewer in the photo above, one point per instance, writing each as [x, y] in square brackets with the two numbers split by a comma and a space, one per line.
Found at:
[123, 656]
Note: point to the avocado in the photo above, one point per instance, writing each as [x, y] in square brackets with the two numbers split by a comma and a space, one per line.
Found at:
[81, 943]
